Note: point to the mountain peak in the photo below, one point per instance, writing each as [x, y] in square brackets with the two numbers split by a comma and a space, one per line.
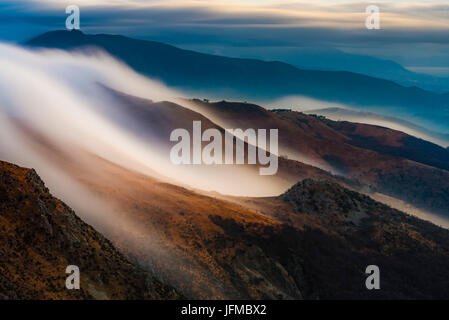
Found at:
[63, 38]
[76, 32]
[325, 198]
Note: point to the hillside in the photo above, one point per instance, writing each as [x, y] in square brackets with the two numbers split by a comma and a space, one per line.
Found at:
[40, 236]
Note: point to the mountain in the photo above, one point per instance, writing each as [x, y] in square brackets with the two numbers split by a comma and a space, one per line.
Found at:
[40, 236]
[337, 60]
[255, 79]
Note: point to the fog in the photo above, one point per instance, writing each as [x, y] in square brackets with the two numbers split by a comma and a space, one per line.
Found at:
[436, 219]
[61, 96]
[299, 103]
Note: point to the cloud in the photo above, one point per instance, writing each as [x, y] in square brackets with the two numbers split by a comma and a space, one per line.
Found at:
[232, 14]
[214, 25]
[423, 15]
[60, 96]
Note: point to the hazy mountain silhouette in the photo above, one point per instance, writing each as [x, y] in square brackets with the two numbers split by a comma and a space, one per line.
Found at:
[255, 79]
[337, 60]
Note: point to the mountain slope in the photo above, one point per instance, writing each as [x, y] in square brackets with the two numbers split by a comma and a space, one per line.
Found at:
[40, 236]
[254, 79]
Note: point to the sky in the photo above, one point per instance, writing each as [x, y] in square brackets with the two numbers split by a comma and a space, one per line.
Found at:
[413, 33]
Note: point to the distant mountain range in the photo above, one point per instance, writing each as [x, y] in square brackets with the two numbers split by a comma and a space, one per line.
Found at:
[337, 60]
[211, 75]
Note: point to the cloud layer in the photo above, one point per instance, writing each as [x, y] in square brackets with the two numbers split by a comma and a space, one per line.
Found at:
[248, 26]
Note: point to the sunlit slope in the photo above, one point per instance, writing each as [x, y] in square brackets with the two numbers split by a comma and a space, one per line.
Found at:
[40, 237]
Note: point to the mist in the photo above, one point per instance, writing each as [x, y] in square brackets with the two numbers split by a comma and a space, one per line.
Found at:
[62, 96]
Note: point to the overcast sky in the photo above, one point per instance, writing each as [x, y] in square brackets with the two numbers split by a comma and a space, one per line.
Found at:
[414, 33]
